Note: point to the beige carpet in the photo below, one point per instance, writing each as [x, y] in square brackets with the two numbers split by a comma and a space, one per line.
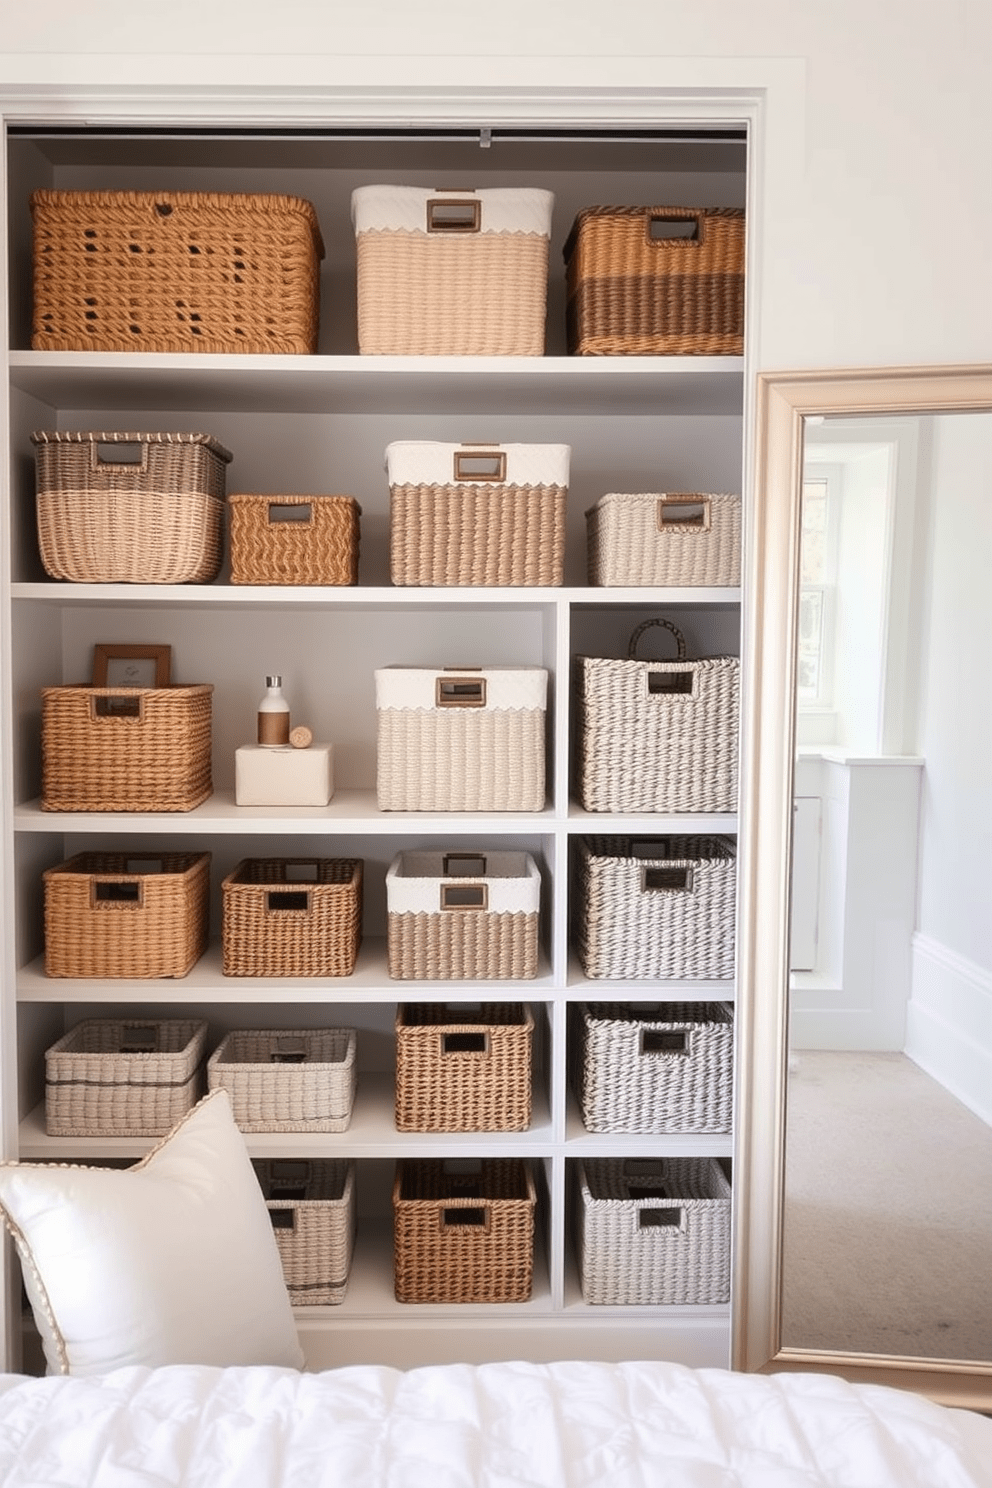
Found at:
[888, 1213]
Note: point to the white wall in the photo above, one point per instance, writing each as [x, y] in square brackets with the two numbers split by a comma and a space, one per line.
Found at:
[878, 208]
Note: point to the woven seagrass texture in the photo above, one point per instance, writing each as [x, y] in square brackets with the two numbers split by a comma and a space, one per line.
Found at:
[641, 749]
[477, 535]
[321, 549]
[463, 1237]
[123, 1077]
[631, 294]
[463, 1069]
[151, 754]
[629, 1254]
[287, 1079]
[627, 928]
[471, 760]
[451, 296]
[667, 1068]
[115, 914]
[292, 917]
[311, 1203]
[630, 542]
[470, 945]
[175, 271]
[155, 519]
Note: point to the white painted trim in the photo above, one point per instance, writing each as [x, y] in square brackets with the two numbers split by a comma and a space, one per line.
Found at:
[949, 1027]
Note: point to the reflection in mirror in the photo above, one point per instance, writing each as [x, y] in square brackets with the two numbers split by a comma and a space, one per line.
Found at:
[887, 1213]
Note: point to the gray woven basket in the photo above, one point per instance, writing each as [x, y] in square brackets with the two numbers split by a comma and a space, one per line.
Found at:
[123, 1077]
[654, 1232]
[311, 1204]
[664, 539]
[657, 736]
[287, 1079]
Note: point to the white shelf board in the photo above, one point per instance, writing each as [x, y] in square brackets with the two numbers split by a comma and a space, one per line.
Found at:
[206, 983]
[357, 597]
[401, 385]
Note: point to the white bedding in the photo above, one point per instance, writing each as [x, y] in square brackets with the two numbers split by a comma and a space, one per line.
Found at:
[630, 1425]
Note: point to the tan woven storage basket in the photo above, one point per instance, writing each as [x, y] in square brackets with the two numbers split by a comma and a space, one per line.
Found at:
[463, 1068]
[657, 907]
[123, 1077]
[477, 515]
[664, 539]
[662, 1067]
[120, 508]
[125, 748]
[451, 273]
[463, 1236]
[658, 736]
[294, 539]
[292, 917]
[118, 914]
[287, 1079]
[460, 738]
[311, 1204]
[462, 915]
[654, 1232]
[634, 289]
[175, 271]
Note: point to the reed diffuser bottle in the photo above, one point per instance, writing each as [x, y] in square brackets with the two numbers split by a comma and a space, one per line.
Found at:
[273, 715]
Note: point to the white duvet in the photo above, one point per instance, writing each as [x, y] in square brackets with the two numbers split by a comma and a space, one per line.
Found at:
[493, 1426]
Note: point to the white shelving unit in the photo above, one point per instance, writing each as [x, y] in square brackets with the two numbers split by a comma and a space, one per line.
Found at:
[313, 424]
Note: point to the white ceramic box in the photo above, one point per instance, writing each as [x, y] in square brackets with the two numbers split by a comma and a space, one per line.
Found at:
[265, 775]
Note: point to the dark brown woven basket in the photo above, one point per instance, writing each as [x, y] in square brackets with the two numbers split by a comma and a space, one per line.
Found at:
[463, 1236]
[294, 539]
[632, 293]
[460, 1068]
[116, 914]
[292, 917]
[125, 748]
[175, 271]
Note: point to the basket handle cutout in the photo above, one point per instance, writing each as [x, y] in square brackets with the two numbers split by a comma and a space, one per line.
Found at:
[665, 1041]
[283, 1219]
[301, 872]
[131, 454]
[473, 466]
[278, 901]
[464, 896]
[659, 1219]
[464, 1219]
[113, 891]
[464, 865]
[290, 1171]
[118, 706]
[289, 1051]
[465, 1043]
[144, 865]
[687, 513]
[663, 228]
[670, 684]
[454, 216]
[666, 880]
[460, 692]
[664, 625]
[138, 1038]
[300, 512]
[644, 1191]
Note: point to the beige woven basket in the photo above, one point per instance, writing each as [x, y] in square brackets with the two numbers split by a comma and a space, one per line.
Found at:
[123, 1077]
[460, 738]
[294, 539]
[655, 281]
[463, 1232]
[659, 736]
[292, 917]
[463, 1068]
[117, 914]
[451, 273]
[122, 508]
[477, 515]
[654, 1232]
[175, 271]
[287, 1079]
[125, 748]
[311, 1204]
[664, 539]
[462, 915]
[657, 907]
[663, 1067]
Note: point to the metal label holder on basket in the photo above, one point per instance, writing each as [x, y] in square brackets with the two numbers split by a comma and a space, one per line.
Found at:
[460, 692]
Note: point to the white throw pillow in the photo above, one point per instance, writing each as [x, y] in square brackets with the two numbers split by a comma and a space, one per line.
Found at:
[171, 1261]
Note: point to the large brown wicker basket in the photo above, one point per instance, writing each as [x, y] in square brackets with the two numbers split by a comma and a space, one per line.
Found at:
[117, 914]
[463, 1068]
[123, 1077]
[125, 748]
[122, 508]
[287, 1079]
[175, 271]
[463, 1236]
[292, 917]
[294, 539]
[635, 289]
[311, 1204]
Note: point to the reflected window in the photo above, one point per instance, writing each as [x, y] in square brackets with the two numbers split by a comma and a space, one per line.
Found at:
[817, 580]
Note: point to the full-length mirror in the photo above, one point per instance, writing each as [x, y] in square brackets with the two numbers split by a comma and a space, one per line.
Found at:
[866, 1226]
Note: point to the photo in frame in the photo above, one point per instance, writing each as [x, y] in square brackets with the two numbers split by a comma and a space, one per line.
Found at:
[131, 666]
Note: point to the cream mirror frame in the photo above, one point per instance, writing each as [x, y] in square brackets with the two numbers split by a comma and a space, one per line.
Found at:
[784, 402]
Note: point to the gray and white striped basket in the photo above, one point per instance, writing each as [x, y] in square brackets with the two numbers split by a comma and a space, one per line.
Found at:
[656, 907]
[664, 539]
[287, 1079]
[658, 736]
[654, 1232]
[311, 1204]
[124, 1077]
